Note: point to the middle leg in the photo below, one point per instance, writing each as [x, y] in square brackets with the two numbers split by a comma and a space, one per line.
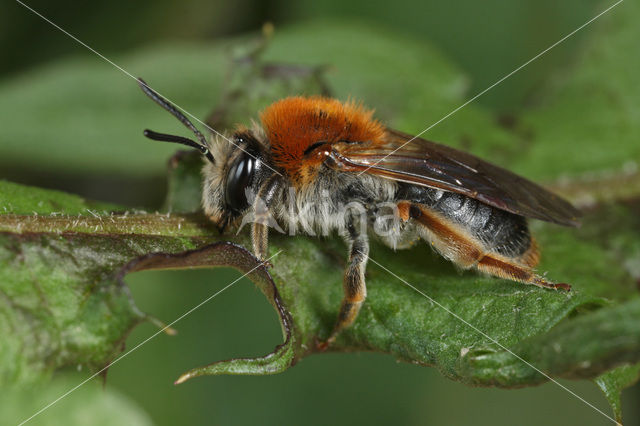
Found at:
[355, 290]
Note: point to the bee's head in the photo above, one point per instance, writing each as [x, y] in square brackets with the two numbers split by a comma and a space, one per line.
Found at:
[232, 182]
[234, 168]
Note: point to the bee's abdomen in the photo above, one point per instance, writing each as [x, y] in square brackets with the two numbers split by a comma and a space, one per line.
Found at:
[500, 231]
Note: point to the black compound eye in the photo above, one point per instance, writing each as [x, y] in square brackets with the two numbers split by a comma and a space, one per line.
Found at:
[239, 177]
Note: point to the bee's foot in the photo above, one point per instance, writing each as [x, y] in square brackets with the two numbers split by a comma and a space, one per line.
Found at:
[563, 286]
[541, 282]
[323, 345]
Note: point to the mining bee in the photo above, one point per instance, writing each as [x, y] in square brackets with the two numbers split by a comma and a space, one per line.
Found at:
[312, 156]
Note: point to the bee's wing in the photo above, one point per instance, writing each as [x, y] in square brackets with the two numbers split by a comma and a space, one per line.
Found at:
[421, 162]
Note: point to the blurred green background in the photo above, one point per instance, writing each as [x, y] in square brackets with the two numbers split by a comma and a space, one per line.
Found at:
[485, 40]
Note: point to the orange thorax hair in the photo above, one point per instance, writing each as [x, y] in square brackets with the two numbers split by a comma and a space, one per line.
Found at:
[294, 124]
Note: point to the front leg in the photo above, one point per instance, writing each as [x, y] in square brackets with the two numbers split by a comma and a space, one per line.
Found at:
[260, 241]
[355, 289]
[260, 226]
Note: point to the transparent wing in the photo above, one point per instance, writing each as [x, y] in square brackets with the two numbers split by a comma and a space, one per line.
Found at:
[421, 162]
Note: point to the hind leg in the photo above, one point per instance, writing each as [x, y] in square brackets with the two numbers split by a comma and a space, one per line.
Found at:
[453, 242]
[504, 268]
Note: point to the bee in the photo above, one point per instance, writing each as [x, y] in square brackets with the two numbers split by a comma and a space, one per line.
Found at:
[318, 154]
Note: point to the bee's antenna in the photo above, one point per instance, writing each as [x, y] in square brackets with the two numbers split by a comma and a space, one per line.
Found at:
[155, 96]
[163, 137]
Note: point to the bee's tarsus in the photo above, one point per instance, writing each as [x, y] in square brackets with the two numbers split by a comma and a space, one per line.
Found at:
[323, 345]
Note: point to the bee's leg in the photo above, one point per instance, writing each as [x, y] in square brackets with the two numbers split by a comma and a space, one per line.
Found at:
[355, 290]
[260, 242]
[467, 252]
[504, 268]
[260, 226]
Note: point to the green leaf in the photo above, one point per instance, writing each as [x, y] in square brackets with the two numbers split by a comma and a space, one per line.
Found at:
[57, 252]
[613, 382]
[96, 405]
[56, 308]
[24, 200]
[589, 113]
[395, 318]
[107, 113]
